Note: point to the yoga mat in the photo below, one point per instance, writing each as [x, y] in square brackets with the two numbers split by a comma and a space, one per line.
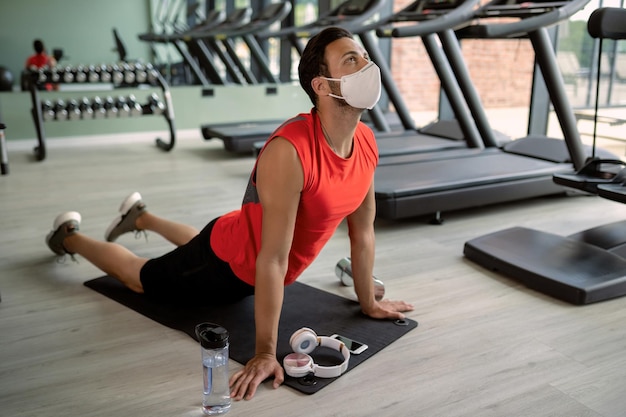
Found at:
[304, 306]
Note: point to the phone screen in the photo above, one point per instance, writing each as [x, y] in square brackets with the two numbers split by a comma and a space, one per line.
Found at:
[352, 345]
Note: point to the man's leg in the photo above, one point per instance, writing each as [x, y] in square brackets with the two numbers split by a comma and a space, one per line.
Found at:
[112, 258]
[134, 217]
[177, 233]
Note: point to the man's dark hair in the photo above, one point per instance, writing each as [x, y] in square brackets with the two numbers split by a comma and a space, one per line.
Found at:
[38, 45]
[313, 63]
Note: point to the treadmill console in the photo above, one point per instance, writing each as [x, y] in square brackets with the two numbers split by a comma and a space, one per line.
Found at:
[425, 10]
[519, 8]
[352, 7]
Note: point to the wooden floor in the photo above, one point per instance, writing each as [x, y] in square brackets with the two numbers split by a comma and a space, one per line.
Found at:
[485, 346]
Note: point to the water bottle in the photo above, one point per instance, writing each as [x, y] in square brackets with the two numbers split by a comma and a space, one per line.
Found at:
[214, 346]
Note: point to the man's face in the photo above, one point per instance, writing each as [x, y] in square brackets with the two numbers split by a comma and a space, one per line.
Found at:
[344, 57]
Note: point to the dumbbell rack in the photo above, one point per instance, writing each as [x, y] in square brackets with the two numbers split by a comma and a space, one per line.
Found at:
[39, 78]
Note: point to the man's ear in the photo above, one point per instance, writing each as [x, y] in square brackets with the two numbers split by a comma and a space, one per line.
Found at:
[319, 85]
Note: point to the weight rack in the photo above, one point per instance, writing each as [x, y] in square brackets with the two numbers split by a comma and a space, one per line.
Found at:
[121, 76]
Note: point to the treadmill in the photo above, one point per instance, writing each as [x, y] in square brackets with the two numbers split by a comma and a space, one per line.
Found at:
[220, 41]
[429, 183]
[470, 127]
[582, 268]
[241, 137]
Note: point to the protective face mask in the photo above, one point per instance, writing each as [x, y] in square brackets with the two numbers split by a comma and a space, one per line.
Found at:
[361, 89]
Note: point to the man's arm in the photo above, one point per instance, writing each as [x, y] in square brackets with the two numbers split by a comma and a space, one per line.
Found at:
[279, 181]
[362, 249]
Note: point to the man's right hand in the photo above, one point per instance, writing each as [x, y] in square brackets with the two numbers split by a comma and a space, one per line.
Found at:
[243, 383]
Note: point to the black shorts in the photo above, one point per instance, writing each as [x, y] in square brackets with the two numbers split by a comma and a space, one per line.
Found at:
[192, 273]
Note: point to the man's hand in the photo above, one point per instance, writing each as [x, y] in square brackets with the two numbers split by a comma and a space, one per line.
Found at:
[243, 383]
[387, 309]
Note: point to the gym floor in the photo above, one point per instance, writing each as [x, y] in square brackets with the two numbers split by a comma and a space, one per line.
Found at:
[485, 345]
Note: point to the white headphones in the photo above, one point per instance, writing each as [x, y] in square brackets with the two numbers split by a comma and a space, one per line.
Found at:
[303, 342]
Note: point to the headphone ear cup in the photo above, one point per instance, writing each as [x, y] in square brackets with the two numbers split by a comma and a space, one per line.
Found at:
[303, 341]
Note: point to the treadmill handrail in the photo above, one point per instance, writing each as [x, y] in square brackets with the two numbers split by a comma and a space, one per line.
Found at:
[529, 24]
[456, 17]
[332, 18]
[260, 22]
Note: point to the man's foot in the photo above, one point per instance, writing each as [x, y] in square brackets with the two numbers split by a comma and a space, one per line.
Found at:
[132, 207]
[65, 224]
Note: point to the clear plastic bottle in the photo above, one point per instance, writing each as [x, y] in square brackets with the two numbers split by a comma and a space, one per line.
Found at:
[214, 346]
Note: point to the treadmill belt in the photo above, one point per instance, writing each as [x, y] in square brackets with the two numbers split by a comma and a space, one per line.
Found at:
[397, 180]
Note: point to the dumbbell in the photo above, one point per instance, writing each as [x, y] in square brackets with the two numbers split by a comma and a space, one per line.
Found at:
[80, 74]
[109, 106]
[55, 77]
[135, 108]
[93, 75]
[68, 75]
[156, 105]
[60, 112]
[47, 110]
[129, 74]
[140, 73]
[343, 271]
[42, 76]
[117, 76]
[153, 75]
[123, 109]
[97, 105]
[85, 108]
[105, 73]
[73, 110]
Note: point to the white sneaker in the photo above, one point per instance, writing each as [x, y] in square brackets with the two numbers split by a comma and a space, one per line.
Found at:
[132, 207]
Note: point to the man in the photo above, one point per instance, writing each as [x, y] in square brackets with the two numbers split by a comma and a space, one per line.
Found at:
[40, 58]
[315, 170]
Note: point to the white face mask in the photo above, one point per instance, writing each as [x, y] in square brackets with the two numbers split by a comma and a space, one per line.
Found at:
[361, 89]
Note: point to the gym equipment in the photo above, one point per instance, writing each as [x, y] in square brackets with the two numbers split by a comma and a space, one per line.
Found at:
[343, 271]
[123, 109]
[60, 112]
[582, 268]
[135, 108]
[303, 306]
[470, 127]
[128, 75]
[351, 14]
[73, 110]
[6, 79]
[4, 158]
[429, 183]
[110, 107]
[47, 110]
[155, 105]
[97, 105]
[86, 110]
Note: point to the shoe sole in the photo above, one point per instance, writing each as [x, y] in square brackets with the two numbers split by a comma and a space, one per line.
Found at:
[129, 202]
[65, 217]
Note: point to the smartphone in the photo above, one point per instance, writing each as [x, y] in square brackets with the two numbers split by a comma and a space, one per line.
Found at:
[353, 346]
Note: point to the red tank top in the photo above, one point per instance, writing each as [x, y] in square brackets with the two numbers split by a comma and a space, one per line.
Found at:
[333, 188]
[37, 60]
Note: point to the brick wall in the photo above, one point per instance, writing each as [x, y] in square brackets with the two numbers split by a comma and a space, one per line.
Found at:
[500, 69]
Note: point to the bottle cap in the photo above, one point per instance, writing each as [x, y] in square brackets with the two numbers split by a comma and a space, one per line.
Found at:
[212, 336]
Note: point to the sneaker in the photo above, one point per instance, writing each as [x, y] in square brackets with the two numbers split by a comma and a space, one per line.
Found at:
[65, 224]
[132, 207]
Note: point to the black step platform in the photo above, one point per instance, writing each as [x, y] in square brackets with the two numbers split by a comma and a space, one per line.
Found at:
[565, 268]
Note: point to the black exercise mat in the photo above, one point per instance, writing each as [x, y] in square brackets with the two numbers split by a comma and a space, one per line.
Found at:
[304, 306]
